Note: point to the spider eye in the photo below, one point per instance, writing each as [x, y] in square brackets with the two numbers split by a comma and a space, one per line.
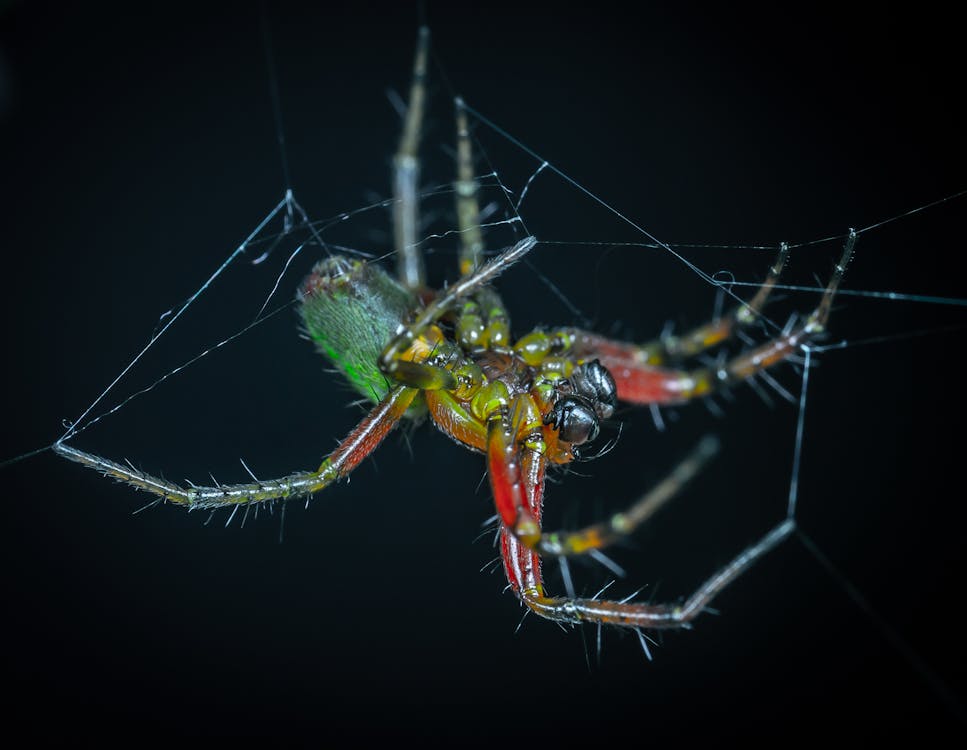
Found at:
[574, 420]
[593, 381]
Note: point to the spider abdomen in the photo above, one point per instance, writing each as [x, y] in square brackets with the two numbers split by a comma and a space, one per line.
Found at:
[350, 309]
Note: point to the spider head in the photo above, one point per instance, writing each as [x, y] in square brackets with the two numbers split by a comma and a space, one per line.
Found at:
[587, 397]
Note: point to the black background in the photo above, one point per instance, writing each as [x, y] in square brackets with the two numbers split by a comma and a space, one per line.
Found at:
[139, 150]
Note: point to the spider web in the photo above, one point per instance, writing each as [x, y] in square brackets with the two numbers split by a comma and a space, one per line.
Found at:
[605, 148]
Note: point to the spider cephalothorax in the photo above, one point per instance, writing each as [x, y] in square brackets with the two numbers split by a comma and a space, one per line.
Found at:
[525, 404]
[350, 308]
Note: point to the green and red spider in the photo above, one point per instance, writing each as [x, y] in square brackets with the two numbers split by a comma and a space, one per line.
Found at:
[526, 403]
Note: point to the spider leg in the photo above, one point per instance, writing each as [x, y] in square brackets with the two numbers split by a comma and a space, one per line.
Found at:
[669, 348]
[600, 535]
[406, 175]
[483, 321]
[641, 382]
[518, 560]
[468, 208]
[522, 477]
[362, 441]
[514, 432]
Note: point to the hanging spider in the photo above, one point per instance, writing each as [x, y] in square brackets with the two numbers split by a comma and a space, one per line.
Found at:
[523, 403]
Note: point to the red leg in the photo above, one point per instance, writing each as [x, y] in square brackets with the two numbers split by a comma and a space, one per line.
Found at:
[516, 463]
[523, 568]
[669, 349]
[641, 382]
[362, 441]
[523, 565]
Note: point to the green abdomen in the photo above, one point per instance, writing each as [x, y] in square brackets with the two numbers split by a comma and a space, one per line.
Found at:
[351, 309]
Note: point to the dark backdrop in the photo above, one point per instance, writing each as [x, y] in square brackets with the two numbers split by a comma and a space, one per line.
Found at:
[139, 150]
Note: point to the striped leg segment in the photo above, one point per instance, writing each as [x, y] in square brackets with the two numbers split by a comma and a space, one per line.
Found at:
[520, 561]
[641, 382]
[468, 207]
[406, 175]
[362, 441]
[671, 349]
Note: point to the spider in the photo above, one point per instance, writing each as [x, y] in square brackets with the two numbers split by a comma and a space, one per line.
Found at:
[526, 403]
